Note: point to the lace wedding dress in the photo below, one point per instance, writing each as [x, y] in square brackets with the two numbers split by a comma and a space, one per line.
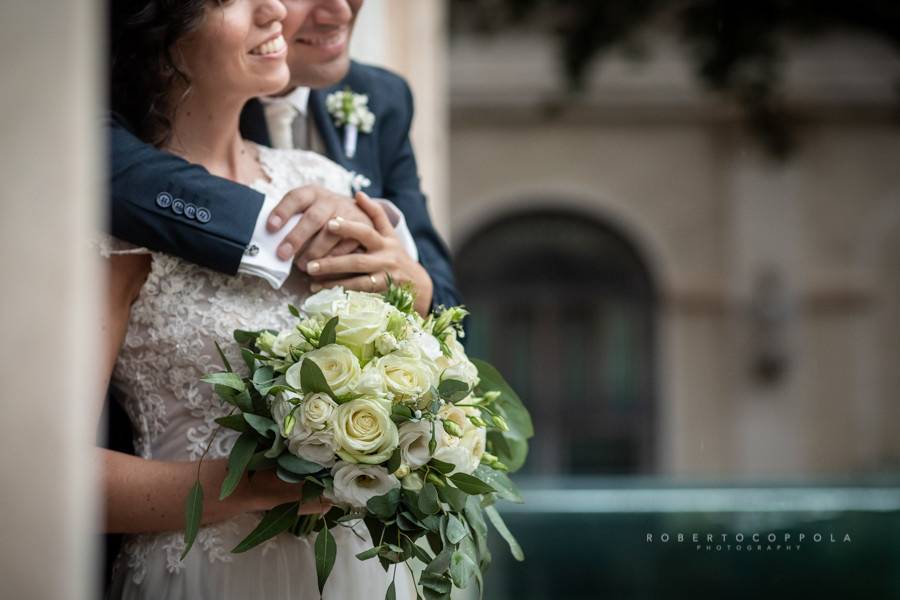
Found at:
[181, 311]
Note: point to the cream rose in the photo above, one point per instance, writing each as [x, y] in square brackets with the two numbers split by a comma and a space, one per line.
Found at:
[337, 363]
[355, 484]
[364, 431]
[407, 376]
[414, 439]
[326, 303]
[362, 319]
[315, 411]
[371, 383]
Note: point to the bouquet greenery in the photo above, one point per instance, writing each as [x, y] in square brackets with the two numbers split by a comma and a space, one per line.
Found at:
[380, 412]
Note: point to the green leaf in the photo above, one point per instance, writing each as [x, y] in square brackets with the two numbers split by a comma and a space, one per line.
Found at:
[370, 553]
[277, 446]
[456, 529]
[260, 462]
[440, 563]
[229, 380]
[461, 569]
[328, 335]
[249, 359]
[454, 497]
[286, 476]
[276, 521]
[453, 390]
[264, 379]
[224, 359]
[501, 483]
[407, 522]
[384, 506]
[428, 499]
[263, 425]
[401, 411]
[441, 466]
[511, 452]
[245, 337]
[326, 550]
[238, 460]
[234, 422]
[435, 587]
[393, 462]
[312, 379]
[294, 310]
[497, 521]
[432, 523]
[508, 405]
[470, 484]
[240, 399]
[391, 593]
[297, 465]
[193, 514]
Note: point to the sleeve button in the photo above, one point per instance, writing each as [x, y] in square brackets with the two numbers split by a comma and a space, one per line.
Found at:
[178, 206]
[164, 200]
[190, 211]
[203, 215]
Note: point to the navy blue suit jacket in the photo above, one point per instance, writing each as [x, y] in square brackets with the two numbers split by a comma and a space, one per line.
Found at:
[165, 203]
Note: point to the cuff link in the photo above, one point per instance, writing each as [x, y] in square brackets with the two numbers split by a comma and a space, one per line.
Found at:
[252, 249]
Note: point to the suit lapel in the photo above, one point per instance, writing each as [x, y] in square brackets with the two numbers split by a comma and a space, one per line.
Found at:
[253, 123]
[325, 125]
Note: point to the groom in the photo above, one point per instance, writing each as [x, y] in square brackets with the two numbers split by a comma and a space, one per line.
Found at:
[164, 203]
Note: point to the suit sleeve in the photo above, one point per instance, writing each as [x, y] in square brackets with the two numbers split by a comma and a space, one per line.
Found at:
[403, 187]
[164, 203]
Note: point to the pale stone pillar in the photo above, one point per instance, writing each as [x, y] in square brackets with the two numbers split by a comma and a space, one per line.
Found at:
[49, 169]
[410, 37]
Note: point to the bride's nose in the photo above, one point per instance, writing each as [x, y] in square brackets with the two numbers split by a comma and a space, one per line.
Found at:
[268, 11]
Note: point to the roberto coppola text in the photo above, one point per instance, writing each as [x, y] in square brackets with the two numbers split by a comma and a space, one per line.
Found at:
[783, 541]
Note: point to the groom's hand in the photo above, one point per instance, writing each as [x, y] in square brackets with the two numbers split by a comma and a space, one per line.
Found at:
[310, 238]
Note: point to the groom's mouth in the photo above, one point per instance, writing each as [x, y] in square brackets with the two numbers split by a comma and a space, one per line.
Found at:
[330, 42]
[273, 47]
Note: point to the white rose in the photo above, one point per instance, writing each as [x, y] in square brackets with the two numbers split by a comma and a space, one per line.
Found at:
[425, 343]
[285, 340]
[371, 383]
[326, 303]
[355, 484]
[414, 439]
[463, 452]
[315, 411]
[362, 319]
[407, 377]
[364, 431]
[337, 363]
[316, 446]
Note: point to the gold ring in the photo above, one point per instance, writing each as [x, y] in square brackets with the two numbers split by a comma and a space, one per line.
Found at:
[374, 281]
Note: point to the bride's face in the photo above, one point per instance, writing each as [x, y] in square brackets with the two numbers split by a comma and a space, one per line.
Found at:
[238, 50]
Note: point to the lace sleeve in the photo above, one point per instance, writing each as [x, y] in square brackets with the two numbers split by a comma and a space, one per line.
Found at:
[107, 245]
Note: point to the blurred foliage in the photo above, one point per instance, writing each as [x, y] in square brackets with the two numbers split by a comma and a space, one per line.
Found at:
[737, 47]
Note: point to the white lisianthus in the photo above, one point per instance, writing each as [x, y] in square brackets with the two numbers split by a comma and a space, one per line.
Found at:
[287, 339]
[326, 303]
[371, 383]
[426, 344]
[457, 365]
[364, 431]
[463, 452]
[362, 319]
[315, 412]
[316, 446]
[337, 363]
[356, 484]
[414, 439]
[407, 377]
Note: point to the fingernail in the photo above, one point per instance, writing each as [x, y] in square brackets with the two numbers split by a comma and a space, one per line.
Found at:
[312, 267]
[315, 287]
[275, 221]
[334, 224]
[285, 251]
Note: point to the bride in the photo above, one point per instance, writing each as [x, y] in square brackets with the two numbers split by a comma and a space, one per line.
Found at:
[182, 77]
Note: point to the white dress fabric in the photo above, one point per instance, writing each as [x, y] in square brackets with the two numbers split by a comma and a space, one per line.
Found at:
[182, 309]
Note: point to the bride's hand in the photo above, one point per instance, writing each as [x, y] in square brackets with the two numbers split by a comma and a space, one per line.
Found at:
[265, 490]
[368, 271]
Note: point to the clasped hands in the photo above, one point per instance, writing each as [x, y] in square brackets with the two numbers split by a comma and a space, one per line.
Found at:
[348, 242]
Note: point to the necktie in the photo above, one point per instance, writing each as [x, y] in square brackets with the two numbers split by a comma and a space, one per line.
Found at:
[280, 115]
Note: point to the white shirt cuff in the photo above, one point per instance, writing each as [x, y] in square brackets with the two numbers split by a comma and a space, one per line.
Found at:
[260, 258]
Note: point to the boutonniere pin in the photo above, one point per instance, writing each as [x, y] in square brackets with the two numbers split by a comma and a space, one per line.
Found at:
[350, 111]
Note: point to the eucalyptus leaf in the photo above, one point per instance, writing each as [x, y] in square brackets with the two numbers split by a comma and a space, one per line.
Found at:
[384, 506]
[470, 484]
[453, 390]
[501, 483]
[260, 462]
[456, 529]
[454, 497]
[441, 466]
[498, 523]
[297, 465]
[511, 452]
[428, 499]
[193, 514]
[227, 379]
[326, 550]
[245, 337]
[370, 553]
[225, 362]
[264, 378]
[294, 310]
[440, 563]
[462, 567]
[328, 335]
[508, 405]
[391, 593]
[276, 521]
[277, 446]
[263, 425]
[286, 476]
[234, 422]
[238, 460]
[249, 359]
[393, 462]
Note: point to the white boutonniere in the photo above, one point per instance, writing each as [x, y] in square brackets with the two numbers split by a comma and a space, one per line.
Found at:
[350, 111]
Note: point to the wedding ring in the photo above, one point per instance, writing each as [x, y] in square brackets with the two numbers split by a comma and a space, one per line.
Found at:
[374, 282]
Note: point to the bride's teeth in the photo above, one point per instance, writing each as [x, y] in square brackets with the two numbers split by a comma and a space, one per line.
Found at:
[270, 47]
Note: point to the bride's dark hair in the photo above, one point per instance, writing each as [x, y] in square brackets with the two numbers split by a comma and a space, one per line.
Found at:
[142, 69]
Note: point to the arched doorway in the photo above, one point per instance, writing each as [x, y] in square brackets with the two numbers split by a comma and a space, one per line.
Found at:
[565, 307]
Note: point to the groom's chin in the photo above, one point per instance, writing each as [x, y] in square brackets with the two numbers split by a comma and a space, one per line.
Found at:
[321, 75]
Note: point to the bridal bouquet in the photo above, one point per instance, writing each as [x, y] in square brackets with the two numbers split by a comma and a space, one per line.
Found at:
[381, 413]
